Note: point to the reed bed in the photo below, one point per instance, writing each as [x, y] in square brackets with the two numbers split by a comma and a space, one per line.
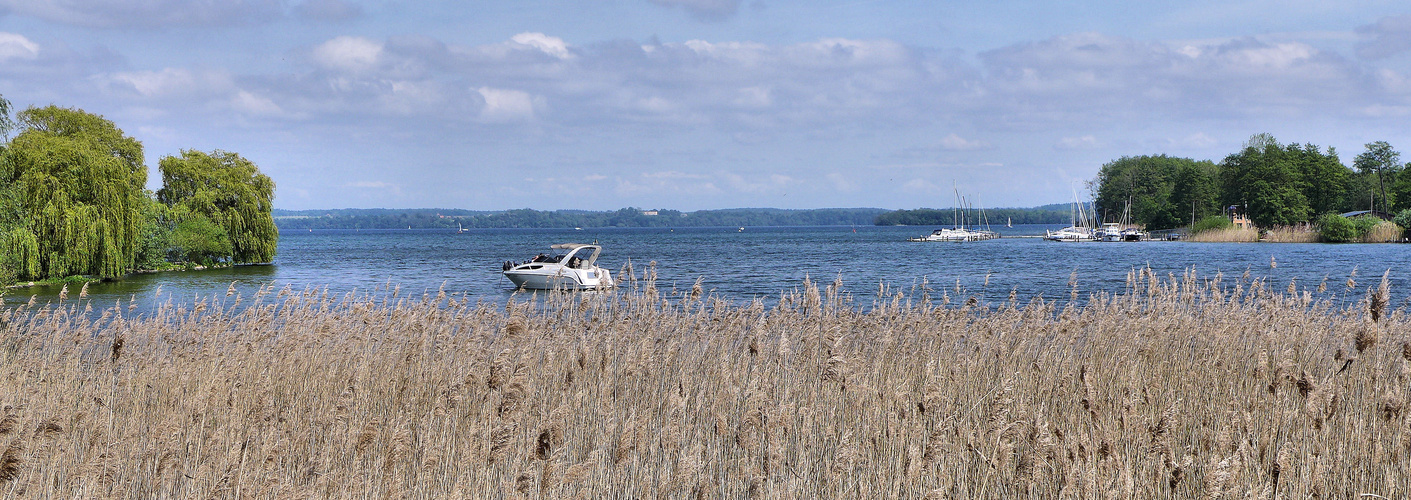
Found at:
[1302, 233]
[1231, 235]
[1383, 232]
[1178, 387]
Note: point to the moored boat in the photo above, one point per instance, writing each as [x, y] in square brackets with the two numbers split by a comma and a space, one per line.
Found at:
[575, 270]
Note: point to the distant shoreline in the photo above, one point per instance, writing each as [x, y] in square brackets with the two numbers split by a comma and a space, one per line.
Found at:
[434, 218]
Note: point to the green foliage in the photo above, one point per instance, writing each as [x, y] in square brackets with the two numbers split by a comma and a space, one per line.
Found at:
[197, 239]
[1164, 192]
[155, 236]
[1265, 180]
[1365, 224]
[1210, 223]
[1403, 218]
[1380, 161]
[1400, 188]
[1337, 229]
[1325, 178]
[227, 190]
[6, 124]
[995, 216]
[73, 188]
[299, 220]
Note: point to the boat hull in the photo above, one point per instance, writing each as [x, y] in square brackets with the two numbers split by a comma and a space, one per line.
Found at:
[958, 235]
[559, 278]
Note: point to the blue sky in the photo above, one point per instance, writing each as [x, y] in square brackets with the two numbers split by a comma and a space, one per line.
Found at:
[698, 104]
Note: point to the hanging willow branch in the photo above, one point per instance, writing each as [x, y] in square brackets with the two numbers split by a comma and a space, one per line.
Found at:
[76, 183]
[230, 191]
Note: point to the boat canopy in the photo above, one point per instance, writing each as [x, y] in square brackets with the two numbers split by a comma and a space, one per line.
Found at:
[573, 250]
[569, 246]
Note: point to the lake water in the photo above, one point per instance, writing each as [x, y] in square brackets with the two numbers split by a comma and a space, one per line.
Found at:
[755, 263]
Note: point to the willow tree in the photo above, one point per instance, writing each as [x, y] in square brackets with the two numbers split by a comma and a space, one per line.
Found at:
[74, 187]
[230, 191]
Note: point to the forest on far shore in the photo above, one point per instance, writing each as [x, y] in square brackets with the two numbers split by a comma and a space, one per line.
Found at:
[441, 218]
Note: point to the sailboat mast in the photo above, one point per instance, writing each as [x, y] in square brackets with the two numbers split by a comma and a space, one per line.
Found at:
[955, 207]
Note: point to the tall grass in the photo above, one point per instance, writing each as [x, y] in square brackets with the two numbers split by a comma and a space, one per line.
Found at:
[1302, 233]
[1383, 232]
[1177, 387]
[1229, 235]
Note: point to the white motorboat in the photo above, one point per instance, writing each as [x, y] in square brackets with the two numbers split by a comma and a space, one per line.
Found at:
[1070, 234]
[958, 234]
[1109, 231]
[1134, 234]
[966, 225]
[575, 270]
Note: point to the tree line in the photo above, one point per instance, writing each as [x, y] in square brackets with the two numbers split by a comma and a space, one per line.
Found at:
[1273, 184]
[1045, 214]
[74, 201]
[529, 218]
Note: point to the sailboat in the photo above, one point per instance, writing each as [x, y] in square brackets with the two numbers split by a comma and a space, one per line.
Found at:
[1079, 231]
[959, 232]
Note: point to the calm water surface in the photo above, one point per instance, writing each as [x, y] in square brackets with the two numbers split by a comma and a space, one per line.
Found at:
[755, 263]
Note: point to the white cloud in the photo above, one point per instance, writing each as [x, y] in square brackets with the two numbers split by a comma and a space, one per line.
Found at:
[1262, 57]
[1110, 79]
[503, 105]
[697, 107]
[553, 46]
[348, 53]
[170, 82]
[15, 46]
[258, 106]
[954, 142]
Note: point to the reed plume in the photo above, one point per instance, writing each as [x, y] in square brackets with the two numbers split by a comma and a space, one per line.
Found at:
[659, 392]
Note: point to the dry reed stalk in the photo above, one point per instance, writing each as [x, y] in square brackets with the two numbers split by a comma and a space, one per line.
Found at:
[1302, 233]
[637, 394]
[1383, 232]
[10, 462]
[1226, 236]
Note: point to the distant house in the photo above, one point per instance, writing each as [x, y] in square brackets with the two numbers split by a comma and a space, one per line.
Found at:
[1374, 213]
[649, 212]
[1241, 221]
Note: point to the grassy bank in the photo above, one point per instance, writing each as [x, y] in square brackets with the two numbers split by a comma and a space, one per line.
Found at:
[1228, 235]
[1177, 387]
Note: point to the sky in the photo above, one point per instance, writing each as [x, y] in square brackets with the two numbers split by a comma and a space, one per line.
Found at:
[705, 104]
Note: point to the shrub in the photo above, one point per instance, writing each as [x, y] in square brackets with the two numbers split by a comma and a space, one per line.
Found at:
[1212, 222]
[1383, 232]
[8, 276]
[1337, 229]
[1364, 224]
[1403, 218]
[200, 241]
